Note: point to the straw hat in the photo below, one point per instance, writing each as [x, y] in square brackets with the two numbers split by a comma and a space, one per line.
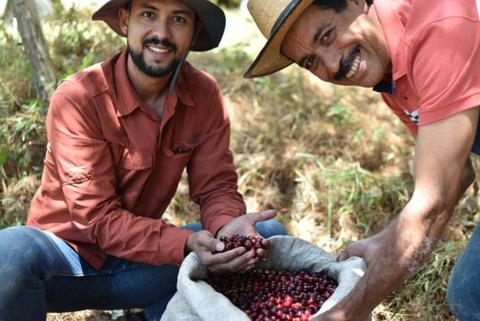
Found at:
[210, 16]
[274, 18]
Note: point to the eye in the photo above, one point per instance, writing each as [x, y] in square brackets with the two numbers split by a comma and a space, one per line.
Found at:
[179, 19]
[327, 36]
[149, 14]
[310, 63]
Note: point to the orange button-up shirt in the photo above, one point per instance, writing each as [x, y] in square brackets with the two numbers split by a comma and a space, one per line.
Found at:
[112, 166]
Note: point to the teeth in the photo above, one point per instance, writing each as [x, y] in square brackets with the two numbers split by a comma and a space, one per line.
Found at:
[159, 50]
[354, 67]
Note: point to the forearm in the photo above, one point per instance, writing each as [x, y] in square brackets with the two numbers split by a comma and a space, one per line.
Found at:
[403, 247]
[139, 239]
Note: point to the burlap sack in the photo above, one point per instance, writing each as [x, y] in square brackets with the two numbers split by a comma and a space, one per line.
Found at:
[196, 300]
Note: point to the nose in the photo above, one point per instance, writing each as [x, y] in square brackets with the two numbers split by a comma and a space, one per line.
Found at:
[161, 28]
[330, 61]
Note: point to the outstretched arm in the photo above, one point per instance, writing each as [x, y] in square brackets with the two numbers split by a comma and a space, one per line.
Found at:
[442, 174]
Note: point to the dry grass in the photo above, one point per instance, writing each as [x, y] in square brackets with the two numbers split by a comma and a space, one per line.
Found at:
[79, 316]
[334, 162]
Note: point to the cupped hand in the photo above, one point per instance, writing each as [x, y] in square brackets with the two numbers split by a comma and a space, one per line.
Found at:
[245, 225]
[206, 247]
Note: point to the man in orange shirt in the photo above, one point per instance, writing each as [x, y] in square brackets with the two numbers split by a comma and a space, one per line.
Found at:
[423, 57]
[120, 134]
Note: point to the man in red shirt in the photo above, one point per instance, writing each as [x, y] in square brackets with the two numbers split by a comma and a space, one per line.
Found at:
[120, 134]
[423, 56]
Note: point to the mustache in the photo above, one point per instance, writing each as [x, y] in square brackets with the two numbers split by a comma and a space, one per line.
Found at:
[346, 64]
[164, 42]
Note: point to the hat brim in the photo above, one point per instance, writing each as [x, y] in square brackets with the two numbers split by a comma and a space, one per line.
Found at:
[210, 16]
[270, 59]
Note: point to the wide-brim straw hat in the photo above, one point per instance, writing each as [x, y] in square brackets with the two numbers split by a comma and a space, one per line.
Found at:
[210, 16]
[274, 18]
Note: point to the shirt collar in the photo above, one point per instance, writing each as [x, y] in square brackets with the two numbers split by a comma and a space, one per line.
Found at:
[385, 86]
[127, 97]
[393, 15]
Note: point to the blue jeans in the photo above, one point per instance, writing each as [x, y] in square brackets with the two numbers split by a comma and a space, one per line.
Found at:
[41, 273]
[463, 292]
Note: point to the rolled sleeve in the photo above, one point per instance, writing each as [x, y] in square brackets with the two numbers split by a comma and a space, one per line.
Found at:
[211, 171]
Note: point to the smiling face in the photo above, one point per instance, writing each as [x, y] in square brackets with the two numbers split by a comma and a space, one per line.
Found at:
[345, 48]
[159, 33]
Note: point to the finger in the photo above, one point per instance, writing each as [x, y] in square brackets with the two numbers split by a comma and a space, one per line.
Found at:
[262, 216]
[355, 249]
[207, 240]
[342, 256]
[250, 265]
[266, 243]
[237, 264]
[224, 257]
[261, 253]
[243, 267]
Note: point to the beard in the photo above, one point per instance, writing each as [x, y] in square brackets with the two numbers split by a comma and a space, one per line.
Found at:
[149, 70]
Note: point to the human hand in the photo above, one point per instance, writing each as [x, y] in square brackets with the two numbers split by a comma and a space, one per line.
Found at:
[245, 225]
[366, 249]
[331, 315]
[205, 246]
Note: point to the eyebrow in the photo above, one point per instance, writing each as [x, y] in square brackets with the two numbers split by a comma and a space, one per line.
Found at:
[149, 6]
[319, 32]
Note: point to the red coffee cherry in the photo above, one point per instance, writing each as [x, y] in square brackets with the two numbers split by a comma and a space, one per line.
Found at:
[273, 295]
[249, 242]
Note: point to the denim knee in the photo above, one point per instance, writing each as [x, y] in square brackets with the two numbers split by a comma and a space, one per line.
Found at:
[463, 293]
[21, 251]
[22, 260]
[270, 228]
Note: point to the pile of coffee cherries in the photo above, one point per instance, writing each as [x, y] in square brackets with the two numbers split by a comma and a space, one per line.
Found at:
[249, 242]
[271, 295]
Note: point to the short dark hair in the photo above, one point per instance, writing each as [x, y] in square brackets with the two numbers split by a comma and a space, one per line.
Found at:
[337, 5]
[128, 4]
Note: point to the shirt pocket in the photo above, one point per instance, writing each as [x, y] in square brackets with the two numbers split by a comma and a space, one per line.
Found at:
[181, 149]
[136, 159]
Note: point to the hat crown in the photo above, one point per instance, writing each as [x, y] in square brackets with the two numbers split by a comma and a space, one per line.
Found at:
[265, 13]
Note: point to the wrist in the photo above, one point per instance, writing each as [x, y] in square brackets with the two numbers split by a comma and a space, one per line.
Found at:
[356, 306]
[188, 245]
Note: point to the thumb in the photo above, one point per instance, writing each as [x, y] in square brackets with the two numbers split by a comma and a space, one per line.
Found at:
[355, 249]
[207, 240]
[262, 216]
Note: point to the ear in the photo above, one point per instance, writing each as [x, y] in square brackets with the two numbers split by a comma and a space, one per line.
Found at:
[123, 16]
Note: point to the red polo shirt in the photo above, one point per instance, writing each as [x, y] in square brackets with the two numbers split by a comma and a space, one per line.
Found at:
[113, 166]
[435, 52]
